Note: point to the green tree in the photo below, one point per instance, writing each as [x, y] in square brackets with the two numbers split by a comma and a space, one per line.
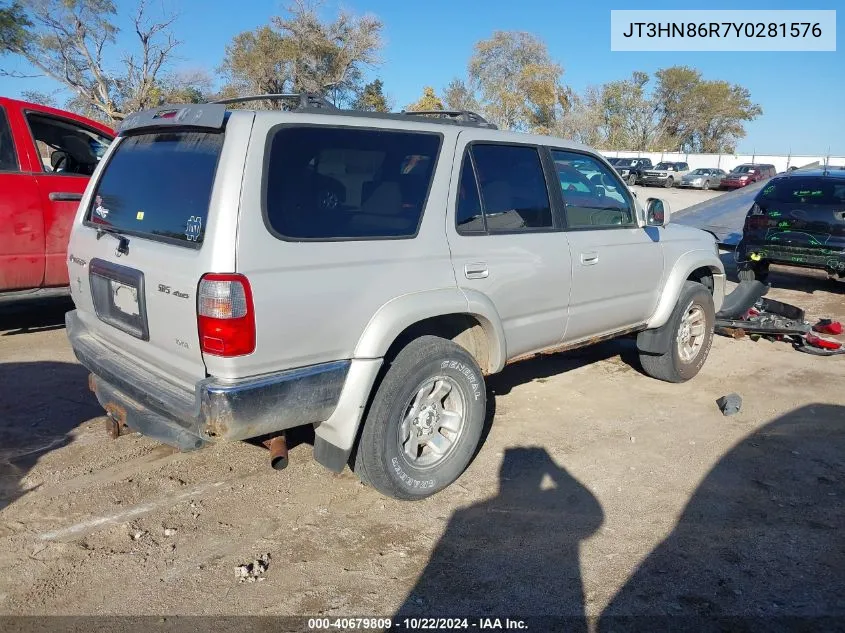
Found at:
[459, 96]
[427, 102]
[372, 98]
[701, 115]
[299, 52]
[518, 84]
[14, 25]
[74, 42]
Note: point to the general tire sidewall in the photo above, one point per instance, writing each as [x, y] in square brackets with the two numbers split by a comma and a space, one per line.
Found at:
[703, 298]
[414, 481]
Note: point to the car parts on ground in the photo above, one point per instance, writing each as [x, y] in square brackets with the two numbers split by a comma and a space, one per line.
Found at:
[747, 312]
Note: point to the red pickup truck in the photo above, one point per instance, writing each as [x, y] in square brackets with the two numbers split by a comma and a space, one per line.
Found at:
[46, 158]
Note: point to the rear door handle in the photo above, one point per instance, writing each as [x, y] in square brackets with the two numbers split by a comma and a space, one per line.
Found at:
[476, 271]
[65, 196]
[589, 258]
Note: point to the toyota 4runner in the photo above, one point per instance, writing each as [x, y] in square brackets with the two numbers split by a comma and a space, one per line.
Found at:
[240, 273]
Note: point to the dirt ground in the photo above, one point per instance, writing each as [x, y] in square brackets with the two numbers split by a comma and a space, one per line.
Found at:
[597, 491]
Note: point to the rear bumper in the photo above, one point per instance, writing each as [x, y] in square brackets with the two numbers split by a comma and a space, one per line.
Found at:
[215, 409]
[829, 259]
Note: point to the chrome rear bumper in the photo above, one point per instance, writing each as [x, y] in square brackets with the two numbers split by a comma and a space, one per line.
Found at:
[215, 409]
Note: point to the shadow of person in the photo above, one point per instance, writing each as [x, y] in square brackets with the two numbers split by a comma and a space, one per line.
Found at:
[516, 554]
[761, 539]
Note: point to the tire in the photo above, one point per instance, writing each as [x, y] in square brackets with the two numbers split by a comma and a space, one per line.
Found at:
[746, 274]
[632, 180]
[670, 182]
[425, 368]
[706, 185]
[671, 366]
[759, 272]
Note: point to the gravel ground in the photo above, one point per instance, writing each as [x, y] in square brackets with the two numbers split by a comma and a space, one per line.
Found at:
[597, 491]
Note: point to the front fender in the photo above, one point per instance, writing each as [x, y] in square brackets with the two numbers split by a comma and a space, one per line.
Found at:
[684, 266]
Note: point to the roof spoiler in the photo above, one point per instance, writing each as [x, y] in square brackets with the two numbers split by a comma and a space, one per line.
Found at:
[195, 115]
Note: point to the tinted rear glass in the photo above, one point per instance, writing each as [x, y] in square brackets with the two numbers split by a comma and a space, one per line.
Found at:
[329, 183]
[805, 190]
[159, 185]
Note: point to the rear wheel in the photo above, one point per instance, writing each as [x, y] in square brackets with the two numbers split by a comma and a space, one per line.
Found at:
[670, 182]
[690, 332]
[425, 421]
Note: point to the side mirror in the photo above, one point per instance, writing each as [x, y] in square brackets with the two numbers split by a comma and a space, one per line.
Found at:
[657, 212]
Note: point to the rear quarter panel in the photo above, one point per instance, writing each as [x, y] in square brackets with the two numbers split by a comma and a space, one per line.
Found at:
[313, 300]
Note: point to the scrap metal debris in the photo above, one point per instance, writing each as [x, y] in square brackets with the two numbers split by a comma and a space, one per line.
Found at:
[252, 572]
[747, 312]
[730, 404]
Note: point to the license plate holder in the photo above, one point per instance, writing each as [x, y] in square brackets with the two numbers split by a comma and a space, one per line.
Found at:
[119, 298]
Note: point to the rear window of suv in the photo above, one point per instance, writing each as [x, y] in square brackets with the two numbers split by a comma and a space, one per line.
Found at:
[333, 183]
[805, 190]
[158, 185]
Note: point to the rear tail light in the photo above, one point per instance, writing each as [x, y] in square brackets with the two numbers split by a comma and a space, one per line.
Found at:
[225, 316]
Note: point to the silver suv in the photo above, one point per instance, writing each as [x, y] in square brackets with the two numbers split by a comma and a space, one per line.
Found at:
[240, 273]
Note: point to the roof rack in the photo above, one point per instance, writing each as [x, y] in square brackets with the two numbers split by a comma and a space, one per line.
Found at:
[465, 116]
[305, 99]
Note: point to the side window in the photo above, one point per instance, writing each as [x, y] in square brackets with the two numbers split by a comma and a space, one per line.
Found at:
[468, 215]
[513, 188]
[66, 147]
[329, 183]
[8, 157]
[593, 196]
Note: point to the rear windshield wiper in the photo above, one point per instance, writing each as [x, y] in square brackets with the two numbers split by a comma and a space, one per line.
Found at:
[123, 241]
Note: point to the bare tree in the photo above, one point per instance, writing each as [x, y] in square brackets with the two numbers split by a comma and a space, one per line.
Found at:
[71, 42]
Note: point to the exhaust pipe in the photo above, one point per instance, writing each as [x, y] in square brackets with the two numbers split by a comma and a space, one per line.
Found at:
[278, 447]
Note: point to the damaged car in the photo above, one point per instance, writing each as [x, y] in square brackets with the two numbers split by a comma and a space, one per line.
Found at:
[797, 219]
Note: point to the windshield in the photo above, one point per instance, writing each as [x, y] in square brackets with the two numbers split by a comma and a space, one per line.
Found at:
[665, 166]
[700, 172]
[804, 190]
[158, 185]
[625, 162]
[743, 169]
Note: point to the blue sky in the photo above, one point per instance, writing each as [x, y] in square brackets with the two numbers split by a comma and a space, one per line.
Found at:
[429, 43]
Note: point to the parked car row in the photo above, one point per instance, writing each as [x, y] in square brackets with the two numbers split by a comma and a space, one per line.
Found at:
[640, 171]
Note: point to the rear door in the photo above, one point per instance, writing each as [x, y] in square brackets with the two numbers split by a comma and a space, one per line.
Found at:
[161, 212]
[506, 242]
[21, 222]
[67, 153]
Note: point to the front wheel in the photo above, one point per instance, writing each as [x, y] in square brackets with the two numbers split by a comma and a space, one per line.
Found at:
[690, 333]
[425, 421]
[632, 180]
[706, 185]
[670, 182]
